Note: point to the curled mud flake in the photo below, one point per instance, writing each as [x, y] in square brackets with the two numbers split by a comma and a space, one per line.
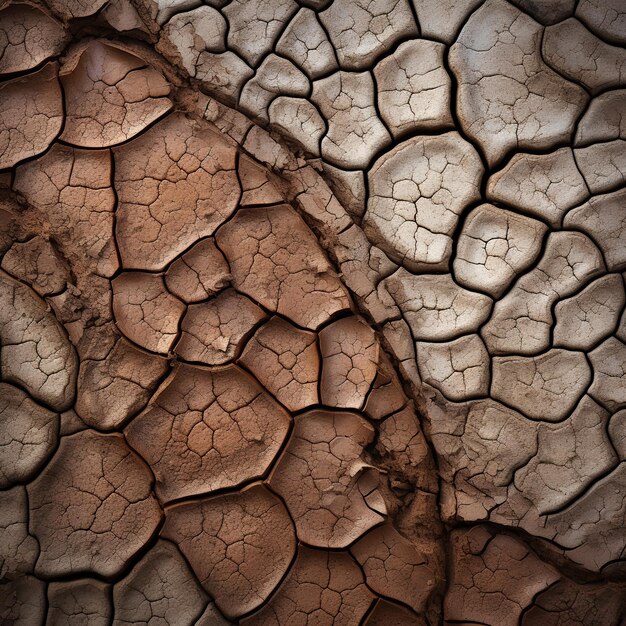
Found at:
[36, 352]
[577, 54]
[276, 259]
[28, 436]
[258, 185]
[442, 19]
[70, 190]
[322, 588]
[286, 361]
[355, 133]
[239, 545]
[22, 601]
[160, 589]
[394, 568]
[189, 34]
[329, 489]
[494, 247]
[115, 380]
[215, 332]
[39, 264]
[417, 192]
[31, 115]
[298, 120]
[83, 602]
[176, 184]
[521, 322]
[255, 25]
[591, 315]
[387, 613]
[305, 43]
[435, 307]
[350, 354]
[110, 96]
[459, 368]
[363, 30]
[604, 120]
[145, 311]
[545, 387]
[28, 37]
[207, 430]
[609, 377]
[508, 97]
[543, 185]
[603, 217]
[18, 549]
[275, 77]
[200, 273]
[69, 9]
[92, 508]
[414, 88]
[493, 578]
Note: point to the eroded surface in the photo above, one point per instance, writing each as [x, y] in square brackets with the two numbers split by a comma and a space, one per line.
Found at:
[312, 312]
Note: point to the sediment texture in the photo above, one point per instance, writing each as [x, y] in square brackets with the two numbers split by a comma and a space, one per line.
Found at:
[312, 312]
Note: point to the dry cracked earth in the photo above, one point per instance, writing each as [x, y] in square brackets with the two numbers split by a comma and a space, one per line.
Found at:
[312, 312]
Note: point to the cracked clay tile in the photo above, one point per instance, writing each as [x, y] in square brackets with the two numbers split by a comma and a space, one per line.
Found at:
[417, 192]
[176, 184]
[115, 380]
[145, 311]
[328, 487]
[322, 588]
[160, 589]
[577, 54]
[28, 36]
[239, 545]
[36, 351]
[435, 307]
[31, 115]
[508, 97]
[286, 361]
[214, 332]
[28, 436]
[355, 133]
[92, 508]
[414, 88]
[350, 354]
[83, 602]
[363, 30]
[276, 260]
[199, 273]
[305, 43]
[207, 430]
[494, 247]
[543, 185]
[394, 567]
[110, 96]
[606, 18]
[545, 387]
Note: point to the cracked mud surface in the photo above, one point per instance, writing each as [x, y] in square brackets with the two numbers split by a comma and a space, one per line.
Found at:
[312, 312]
